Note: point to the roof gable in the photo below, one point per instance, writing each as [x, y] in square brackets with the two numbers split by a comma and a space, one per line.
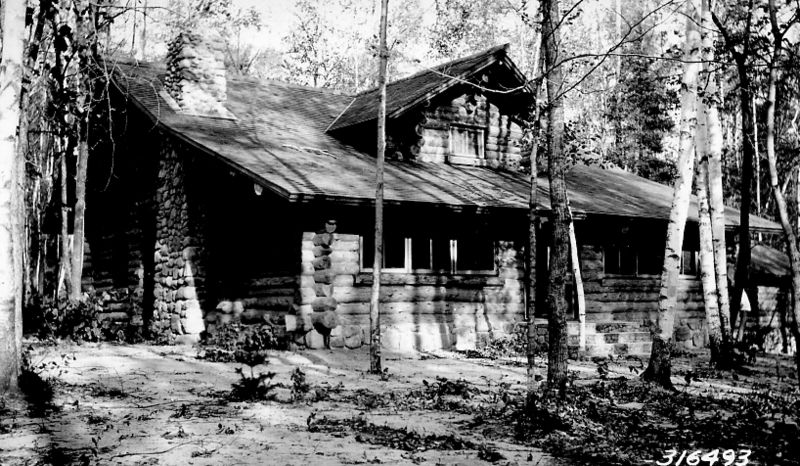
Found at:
[407, 93]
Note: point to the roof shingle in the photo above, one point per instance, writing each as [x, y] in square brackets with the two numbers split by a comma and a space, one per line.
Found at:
[278, 139]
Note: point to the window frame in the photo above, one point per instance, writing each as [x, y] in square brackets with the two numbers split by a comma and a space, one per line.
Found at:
[637, 274]
[481, 138]
[408, 260]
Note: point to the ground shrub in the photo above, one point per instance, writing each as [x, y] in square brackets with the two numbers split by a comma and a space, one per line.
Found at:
[37, 388]
[251, 349]
[300, 385]
[78, 320]
[513, 345]
[228, 341]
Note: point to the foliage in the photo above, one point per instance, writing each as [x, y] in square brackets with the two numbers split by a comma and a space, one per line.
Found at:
[299, 384]
[238, 342]
[252, 387]
[36, 386]
[77, 320]
[513, 345]
[248, 345]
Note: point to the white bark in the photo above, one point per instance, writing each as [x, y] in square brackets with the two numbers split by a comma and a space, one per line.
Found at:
[10, 194]
[659, 368]
[713, 148]
[581, 296]
[707, 271]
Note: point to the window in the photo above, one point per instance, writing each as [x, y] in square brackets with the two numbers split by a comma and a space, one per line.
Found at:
[466, 142]
[425, 254]
[689, 263]
[627, 260]
[619, 260]
[474, 253]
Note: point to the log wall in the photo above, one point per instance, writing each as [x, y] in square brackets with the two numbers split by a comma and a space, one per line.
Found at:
[418, 311]
[635, 299]
[426, 136]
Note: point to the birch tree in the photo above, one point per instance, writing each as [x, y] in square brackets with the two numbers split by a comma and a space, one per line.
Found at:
[374, 302]
[11, 176]
[561, 217]
[709, 141]
[659, 369]
[707, 270]
[741, 51]
[778, 34]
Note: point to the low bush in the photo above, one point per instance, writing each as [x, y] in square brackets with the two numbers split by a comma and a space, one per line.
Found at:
[78, 320]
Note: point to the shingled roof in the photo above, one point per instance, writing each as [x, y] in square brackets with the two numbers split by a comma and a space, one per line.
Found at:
[409, 92]
[278, 139]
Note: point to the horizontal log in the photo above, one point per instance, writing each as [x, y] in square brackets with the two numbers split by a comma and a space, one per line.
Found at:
[282, 281]
[345, 256]
[408, 293]
[461, 281]
[346, 244]
[283, 302]
[508, 149]
[637, 296]
[344, 238]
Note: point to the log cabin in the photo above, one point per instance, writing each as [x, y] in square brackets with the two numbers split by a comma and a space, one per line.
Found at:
[222, 198]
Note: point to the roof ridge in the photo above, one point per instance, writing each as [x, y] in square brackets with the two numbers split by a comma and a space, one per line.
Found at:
[428, 69]
[326, 90]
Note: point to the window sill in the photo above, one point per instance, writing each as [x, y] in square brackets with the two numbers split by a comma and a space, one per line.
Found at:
[471, 160]
[442, 273]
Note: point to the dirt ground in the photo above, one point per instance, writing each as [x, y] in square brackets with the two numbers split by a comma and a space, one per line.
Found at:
[144, 404]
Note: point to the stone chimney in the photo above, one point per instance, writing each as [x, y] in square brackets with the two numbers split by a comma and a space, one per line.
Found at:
[196, 75]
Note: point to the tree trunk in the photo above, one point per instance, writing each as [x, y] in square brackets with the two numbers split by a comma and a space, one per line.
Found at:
[11, 181]
[578, 280]
[532, 347]
[79, 221]
[374, 303]
[712, 138]
[65, 266]
[780, 201]
[659, 369]
[561, 218]
[707, 271]
[741, 280]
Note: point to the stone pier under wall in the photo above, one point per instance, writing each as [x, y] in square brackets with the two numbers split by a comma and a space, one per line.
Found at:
[179, 273]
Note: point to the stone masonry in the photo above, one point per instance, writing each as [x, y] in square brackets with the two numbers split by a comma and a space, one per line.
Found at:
[179, 241]
[196, 74]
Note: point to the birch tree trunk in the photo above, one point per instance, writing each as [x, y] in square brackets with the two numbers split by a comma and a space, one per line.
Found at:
[780, 201]
[11, 181]
[659, 369]
[79, 221]
[712, 167]
[374, 303]
[575, 259]
[559, 253]
[707, 271]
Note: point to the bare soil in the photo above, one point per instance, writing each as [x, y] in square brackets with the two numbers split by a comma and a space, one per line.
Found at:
[144, 404]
